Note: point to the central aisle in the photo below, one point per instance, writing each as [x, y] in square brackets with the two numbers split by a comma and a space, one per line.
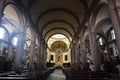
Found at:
[57, 75]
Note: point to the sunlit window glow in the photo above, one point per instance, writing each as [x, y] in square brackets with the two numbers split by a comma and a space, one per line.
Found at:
[113, 34]
[2, 33]
[100, 41]
[58, 36]
[15, 41]
[29, 43]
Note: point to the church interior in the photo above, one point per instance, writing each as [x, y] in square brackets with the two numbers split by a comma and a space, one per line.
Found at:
[60, 39]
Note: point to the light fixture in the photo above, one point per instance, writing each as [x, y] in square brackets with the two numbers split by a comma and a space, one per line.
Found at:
[105, 51]
[58, 36]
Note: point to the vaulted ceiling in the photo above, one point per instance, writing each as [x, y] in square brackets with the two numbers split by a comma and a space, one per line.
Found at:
[59, 16]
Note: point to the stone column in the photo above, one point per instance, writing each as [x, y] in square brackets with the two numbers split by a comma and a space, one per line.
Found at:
[115, 21]
[41, 52]
[36, 55]
[2, 3]
[41, 55]
[32, 55]
[32, 47]
[72, 55]
[45, 54]
[83, 55]
[94, 50]
[19, 53]
[77, 56]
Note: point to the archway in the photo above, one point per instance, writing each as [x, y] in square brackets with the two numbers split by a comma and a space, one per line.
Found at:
[11, 28]
[58, 52]
[27, 48]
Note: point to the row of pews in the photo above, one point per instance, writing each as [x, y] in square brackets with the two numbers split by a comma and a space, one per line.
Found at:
[85, 75]
[27, 75]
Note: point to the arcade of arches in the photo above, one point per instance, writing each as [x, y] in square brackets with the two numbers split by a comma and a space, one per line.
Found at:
[39, 36]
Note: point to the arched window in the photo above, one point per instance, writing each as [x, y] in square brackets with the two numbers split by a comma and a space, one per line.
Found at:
[3, 41]
[2, 33]
[15, 40]
[12, 19]
[100, 41]
[27, 47]
[112, 34]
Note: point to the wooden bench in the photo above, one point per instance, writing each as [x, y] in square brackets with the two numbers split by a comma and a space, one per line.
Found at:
[88, 75]
[28, 75]
[85, 75]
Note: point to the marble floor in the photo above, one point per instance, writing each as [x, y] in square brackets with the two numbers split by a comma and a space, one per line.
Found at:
[57, 75]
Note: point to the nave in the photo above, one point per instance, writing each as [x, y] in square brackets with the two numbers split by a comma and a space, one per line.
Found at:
[39, 36]
[57, 75]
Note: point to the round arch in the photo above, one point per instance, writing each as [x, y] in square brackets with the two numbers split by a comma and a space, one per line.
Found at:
[13, 12]
[58, 33]
[95, 14]
[58, 21]
[58, 9]
[57, 30]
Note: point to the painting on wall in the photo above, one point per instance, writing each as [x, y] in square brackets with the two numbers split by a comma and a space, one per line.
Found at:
[59, 59]
[59, 47]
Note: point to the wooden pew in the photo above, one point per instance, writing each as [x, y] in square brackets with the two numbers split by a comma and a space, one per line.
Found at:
[88, 75]
[28, 75]
[85, 75]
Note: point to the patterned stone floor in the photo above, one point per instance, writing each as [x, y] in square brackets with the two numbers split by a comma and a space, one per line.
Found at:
[57, 75]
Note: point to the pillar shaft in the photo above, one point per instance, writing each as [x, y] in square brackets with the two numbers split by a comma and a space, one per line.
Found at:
[19, 53]
[115, 21]
[94, 50]
[32, 55]
[2, 3]
[77, 56]
[41, 55]
[45, 55]
[83, 55]
[72, 56]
